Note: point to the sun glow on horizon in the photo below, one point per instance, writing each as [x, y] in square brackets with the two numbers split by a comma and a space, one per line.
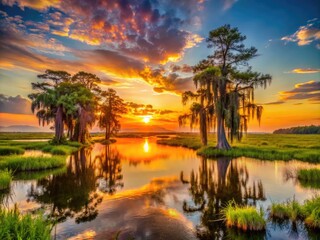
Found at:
[146, 119]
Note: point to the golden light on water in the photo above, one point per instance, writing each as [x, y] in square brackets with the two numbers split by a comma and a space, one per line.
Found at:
[172, 212]
[146, 145]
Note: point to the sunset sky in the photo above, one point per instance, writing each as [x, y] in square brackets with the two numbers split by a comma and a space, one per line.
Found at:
[144, 49]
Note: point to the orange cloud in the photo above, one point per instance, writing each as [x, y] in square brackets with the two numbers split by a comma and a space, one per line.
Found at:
[305, 70]
[305, 34]
[303, 91]
[38, 4]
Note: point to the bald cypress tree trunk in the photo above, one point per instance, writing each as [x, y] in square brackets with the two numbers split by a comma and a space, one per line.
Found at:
[222, 142]
[221, 135]
[58, 126]
[203, 127]
[82, 126]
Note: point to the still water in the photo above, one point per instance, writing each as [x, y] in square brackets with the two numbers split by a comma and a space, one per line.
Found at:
[137, 189]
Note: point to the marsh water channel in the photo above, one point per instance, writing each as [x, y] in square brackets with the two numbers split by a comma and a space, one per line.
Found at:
[137, 189]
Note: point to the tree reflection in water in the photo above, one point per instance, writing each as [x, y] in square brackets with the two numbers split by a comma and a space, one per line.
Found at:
[215, 184]
[74, 193]
[109, 170]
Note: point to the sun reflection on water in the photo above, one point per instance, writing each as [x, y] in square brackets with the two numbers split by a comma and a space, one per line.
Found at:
[146, 145]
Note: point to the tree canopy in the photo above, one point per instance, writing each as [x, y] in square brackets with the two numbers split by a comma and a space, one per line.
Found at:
[225, 86]
[72, 102]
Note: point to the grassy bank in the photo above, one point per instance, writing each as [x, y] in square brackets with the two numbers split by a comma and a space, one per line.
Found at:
[262, 146]
[5, 179]
[309, 175]
[17, 163]
[246, 218]
[25, 135]
[14, 225]
[9, 147]
[7, 150]
[37, 175]
[309, 211]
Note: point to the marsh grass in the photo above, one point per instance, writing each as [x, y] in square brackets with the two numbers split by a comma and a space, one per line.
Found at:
[14, 225]
[65, 149]
[25, 135]
[313, 220]
[309, 211]
[289, 210]
[18, 163]
[189, 142]
[7, 150]
[5, 179]
[245, 218]
[59, 149]
[309, 178]
[262, 146]
[309, 175]
[38, 175]
[235, 234]
[24, 145]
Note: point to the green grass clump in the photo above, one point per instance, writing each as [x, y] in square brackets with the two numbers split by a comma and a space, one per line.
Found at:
[59, 149]
[15, 226]
[312, 175]
[24, 145]
[5, 179]
[189, 142]
[313, 220]
[75, 144]
[309, 178]
[309, 211]
[311, 204]
[38, 175]
[246, 218]
[7, 150]
[18, 163]
[63, 149]
[279, 210]
[289, 210]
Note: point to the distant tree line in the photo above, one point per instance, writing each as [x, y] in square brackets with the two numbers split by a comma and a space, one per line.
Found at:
[75, 103]
[299, 130]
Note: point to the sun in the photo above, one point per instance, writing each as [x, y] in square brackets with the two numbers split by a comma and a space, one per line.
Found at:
[146, 119]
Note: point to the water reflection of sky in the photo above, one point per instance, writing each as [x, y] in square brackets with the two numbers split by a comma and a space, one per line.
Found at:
[135, 188]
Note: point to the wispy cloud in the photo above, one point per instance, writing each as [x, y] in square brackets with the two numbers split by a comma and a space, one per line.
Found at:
[305, 34]
[228, 4]
[303, 91]
[274, 103]
[304, 70]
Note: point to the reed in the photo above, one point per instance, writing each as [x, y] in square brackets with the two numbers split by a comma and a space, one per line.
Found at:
[14, 225]
[309, 175]
[5, 179]
[309, 211]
